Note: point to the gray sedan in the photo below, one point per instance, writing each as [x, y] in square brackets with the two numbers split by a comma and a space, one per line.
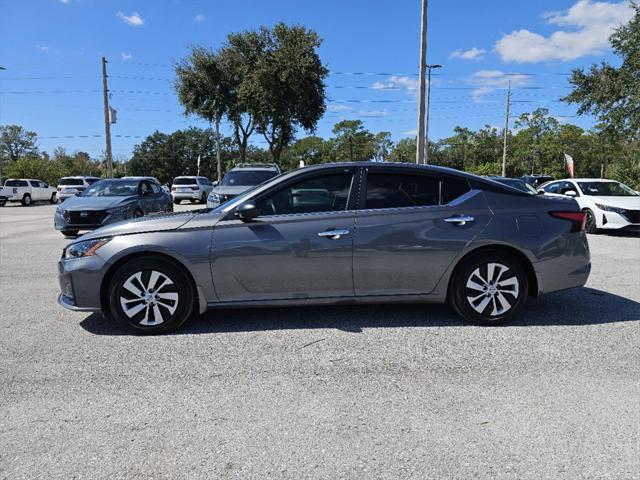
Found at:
[110, 201]
[356, 232]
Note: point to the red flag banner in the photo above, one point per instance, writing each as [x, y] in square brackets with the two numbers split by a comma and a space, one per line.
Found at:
[568, 165]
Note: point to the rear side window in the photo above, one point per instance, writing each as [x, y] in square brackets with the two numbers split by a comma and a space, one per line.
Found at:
[391, 190]
[185, 181]
[71, 181]
[16, 183]
[452, 188]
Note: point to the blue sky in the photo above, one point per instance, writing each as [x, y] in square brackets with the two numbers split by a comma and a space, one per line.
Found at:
[51, 50]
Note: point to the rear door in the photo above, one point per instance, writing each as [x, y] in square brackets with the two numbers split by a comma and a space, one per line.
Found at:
[411, 225]
[300, 246]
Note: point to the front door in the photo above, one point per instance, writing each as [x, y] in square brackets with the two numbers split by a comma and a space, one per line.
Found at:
[411, 227]
[300, 246]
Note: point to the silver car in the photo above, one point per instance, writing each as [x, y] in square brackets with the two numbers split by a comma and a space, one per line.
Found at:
[340, 233]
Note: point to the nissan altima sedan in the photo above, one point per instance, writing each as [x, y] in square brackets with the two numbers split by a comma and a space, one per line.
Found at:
[340, 233]
[110, 201]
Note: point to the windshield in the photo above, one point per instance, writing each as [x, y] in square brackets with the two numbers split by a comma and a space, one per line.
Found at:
[518, 184]
[185, 181]
[71, 181]
[112, 188]
[238, 178]
[606, 189]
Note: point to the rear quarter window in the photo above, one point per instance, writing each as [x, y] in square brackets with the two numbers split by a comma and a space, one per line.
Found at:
[16, 183]
[453, 188]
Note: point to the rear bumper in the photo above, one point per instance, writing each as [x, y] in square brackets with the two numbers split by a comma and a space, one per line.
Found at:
[196, 195]
[569, 269]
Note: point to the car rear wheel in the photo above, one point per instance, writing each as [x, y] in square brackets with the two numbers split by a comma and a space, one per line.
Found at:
[203, 199]
[3, 202]
[590, 222]
[489, 288]
[150, 296]
[138, 213]
[177, 202]
[54, 198]
[26, 200]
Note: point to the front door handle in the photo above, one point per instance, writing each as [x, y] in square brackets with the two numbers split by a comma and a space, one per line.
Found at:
[334, 234]
[460, 220]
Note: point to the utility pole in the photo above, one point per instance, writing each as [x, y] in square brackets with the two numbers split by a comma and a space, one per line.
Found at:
[107, 120]
[426, 127]
[422, 85]
[506, 130]
[1, 68]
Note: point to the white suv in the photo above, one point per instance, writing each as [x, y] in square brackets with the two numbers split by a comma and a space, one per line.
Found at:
[71, 186]
[193, 188]
[27, 191]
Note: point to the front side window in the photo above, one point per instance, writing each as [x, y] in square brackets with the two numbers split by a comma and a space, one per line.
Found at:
[35, 183]
[392, 190]
[552, 187]
[326, 193]
[156, 188]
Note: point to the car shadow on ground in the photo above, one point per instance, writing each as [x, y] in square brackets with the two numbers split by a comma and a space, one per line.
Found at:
[582, 306]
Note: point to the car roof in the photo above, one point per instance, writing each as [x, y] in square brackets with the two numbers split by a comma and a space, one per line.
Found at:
[256, 166]
[79, 176]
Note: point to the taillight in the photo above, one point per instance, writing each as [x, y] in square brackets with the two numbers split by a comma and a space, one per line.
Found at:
[59, 189]
[173, 189]
[194, 188]
[577, 219]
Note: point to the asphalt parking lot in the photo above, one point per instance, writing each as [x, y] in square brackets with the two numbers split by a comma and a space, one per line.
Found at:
[384, 392]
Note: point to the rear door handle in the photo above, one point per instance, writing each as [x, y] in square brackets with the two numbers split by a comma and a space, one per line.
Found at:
[334, 234]
[460, 220]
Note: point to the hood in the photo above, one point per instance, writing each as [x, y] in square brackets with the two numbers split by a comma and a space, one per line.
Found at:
[150, 223]
[236, 190]
[95, 203]
[629, 203]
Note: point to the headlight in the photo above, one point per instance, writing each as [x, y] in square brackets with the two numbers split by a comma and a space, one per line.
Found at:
[609, 208]
[214, 197]
[87, 248]
[59, 210]
[120, 210]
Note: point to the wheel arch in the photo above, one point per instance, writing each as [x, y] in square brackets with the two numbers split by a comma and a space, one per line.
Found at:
[106, 279]
[532, 278]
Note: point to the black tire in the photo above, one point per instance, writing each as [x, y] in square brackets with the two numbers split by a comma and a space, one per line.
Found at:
[203, 199]
[486, 306]
[139, 272]
[138, 213]
[177, 202]
[169, 208]
[590, 222]
[54, 198]
[69, 233]
[26, 200]
[3, 202]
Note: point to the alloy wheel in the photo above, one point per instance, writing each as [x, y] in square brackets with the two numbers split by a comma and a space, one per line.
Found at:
[492, 289]
[149, 298]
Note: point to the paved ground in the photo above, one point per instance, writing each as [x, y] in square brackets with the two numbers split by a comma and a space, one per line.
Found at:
[360, 392]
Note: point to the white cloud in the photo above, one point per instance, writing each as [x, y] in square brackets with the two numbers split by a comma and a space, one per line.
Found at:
[338, 107]
[395, 82]
[592, 22]
[372, 113]
[487, 81]
[134, 19]
[127, 56]
[44, 48]
[471, 54]
[413, 133]
[199, 18]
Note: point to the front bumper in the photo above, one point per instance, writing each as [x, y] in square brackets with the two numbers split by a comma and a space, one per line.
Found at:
[80, 281]
[615, 221]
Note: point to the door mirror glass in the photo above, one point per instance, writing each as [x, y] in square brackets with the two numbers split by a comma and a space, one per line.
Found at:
[571, 193]
[247, 211]
[541, 191]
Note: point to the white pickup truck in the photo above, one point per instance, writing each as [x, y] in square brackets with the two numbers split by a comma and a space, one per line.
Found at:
[27, 191]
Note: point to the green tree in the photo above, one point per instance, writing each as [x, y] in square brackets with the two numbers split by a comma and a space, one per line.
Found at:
[382, 146]
[613, 93]
[15, 143]
[310, 150]
[528, 141]
[352, 142]
[204, 89]
[404, 151]
[35, 166]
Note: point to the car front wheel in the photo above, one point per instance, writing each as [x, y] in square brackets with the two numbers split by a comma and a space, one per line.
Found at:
[590, 225]
[150, 296]
[54, 198]
[489, 288]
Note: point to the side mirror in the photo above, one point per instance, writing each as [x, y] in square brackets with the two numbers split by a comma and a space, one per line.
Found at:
[571, 193]
[247, 211]
[215, 183]
[541, 191]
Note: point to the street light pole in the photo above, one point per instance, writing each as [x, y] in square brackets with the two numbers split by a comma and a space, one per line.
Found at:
[422, 85]
[1, 68]
[107, 120]
[426, 128]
